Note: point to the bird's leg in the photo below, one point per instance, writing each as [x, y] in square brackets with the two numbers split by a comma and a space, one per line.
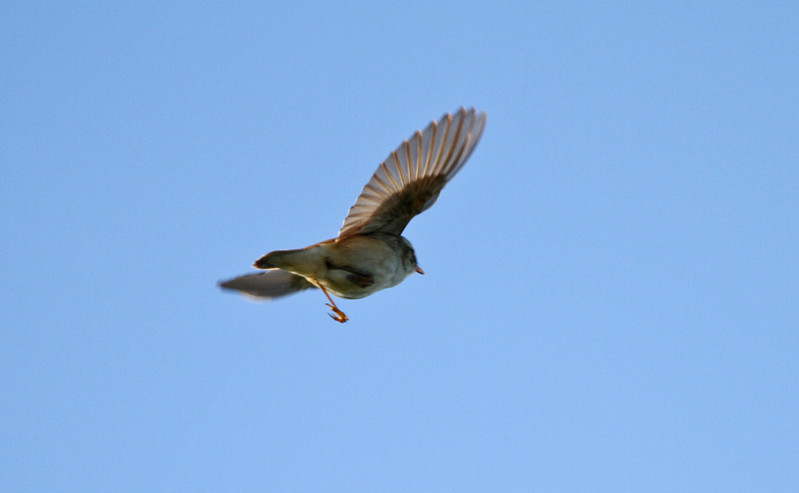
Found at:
[339, 315]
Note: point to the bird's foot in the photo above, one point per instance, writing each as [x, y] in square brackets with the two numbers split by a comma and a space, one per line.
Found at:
[339, 315]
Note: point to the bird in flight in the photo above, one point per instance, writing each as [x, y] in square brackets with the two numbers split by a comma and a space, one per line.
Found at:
[369, 253]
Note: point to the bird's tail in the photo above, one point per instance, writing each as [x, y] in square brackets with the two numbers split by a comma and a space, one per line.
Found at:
[305, 261]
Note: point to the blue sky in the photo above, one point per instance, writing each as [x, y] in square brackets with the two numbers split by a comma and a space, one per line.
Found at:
[611, 298]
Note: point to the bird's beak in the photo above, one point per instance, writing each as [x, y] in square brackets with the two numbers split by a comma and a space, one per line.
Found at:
[419, 270]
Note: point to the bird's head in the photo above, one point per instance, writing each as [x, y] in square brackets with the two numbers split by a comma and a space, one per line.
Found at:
[409, 257]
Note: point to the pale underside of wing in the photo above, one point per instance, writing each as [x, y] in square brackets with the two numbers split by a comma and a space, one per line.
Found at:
[264, 286]
[409, 180]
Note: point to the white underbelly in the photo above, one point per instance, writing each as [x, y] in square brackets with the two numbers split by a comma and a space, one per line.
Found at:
[372, 257]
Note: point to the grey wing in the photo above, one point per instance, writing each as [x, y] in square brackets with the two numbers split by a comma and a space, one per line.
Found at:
[264, 286]
[408, 182]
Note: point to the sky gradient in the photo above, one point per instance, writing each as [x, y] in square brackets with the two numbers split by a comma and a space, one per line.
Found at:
[611, 297]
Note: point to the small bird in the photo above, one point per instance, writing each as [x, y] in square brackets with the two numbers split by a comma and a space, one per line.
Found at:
[369, 253]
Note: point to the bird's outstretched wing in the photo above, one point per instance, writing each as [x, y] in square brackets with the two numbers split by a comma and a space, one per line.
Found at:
[264, 286]
[409, 180]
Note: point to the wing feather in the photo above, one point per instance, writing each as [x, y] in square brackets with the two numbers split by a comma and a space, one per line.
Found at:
[408, 182]
[264, 286]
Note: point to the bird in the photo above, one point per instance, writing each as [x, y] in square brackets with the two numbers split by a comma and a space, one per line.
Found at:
[369, 253]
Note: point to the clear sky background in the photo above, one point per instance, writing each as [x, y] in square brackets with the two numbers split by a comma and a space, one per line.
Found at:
[611, 298]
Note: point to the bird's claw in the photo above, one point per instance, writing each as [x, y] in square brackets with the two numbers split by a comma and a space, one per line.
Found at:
[339, 315]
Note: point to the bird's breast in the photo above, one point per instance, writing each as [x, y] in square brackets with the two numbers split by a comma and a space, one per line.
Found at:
[361, 265]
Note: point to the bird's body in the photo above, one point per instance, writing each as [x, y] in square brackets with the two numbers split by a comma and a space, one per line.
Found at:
[369, 253]
[351, 269]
